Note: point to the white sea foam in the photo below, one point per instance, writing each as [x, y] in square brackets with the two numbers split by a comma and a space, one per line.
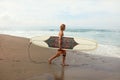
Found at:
[106, 50]
[101, 54]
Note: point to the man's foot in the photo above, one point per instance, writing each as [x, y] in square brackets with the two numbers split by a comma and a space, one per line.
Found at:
[64, 64]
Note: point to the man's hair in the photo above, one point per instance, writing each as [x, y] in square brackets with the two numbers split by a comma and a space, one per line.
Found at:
[62, 26]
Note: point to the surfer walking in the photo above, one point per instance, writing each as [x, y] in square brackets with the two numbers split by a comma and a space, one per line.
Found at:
[60, 51]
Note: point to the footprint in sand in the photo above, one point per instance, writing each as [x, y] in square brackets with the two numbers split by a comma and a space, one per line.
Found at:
[1, 59]
[16, 60]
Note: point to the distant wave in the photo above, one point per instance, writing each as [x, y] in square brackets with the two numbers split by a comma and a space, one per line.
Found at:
[87, 30]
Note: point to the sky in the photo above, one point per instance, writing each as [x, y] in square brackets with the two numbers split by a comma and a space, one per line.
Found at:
[85, 13]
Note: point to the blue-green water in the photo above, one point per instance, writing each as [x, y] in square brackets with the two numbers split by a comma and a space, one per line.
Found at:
[102, 36]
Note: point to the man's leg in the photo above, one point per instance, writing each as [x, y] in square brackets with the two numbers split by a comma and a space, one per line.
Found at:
[64, 58]
[53, 57]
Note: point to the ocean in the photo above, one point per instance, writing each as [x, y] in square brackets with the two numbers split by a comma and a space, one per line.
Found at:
[108, 39]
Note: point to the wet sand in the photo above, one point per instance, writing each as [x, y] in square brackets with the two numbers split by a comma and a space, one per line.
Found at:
[20, 60]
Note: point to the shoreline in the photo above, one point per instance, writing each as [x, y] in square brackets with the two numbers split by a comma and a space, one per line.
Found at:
[17, 64]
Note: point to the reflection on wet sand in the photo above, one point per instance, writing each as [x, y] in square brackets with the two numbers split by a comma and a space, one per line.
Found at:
[58, 74]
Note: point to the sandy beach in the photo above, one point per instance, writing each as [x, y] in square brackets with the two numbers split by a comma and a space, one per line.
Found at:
[20, 60]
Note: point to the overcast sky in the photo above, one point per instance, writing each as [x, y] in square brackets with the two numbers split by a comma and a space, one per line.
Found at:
[97, 13]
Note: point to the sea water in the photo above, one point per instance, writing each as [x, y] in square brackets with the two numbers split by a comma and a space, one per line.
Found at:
[108, 39]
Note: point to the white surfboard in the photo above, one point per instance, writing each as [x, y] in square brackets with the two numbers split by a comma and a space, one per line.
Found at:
[80, 44]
